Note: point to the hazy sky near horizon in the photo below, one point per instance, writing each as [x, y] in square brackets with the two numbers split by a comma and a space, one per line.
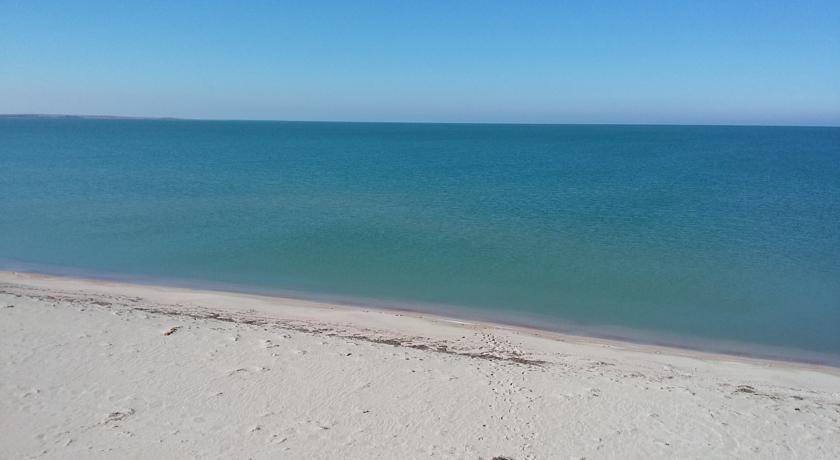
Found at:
[742, 62]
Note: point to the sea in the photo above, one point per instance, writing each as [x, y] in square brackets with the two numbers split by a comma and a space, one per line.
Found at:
[719, 238]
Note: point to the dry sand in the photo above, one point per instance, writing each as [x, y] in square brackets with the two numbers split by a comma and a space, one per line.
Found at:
[100, 369]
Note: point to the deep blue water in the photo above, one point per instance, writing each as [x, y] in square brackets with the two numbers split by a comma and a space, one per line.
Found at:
[689, 235]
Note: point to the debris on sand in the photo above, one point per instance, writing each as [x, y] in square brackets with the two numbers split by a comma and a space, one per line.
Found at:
[118, 416]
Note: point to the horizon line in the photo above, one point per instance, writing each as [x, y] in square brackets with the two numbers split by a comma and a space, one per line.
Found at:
[268, 120]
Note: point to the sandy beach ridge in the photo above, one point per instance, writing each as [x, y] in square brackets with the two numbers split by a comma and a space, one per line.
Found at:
[93, 368]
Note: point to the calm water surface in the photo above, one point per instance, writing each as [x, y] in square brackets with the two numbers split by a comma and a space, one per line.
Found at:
[719, 237]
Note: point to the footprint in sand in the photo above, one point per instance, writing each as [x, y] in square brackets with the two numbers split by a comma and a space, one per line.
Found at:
[118, 416]
[31, 392]
[254, 369]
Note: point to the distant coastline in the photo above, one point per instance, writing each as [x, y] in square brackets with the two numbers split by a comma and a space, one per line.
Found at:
[58, 116]
[84, 117]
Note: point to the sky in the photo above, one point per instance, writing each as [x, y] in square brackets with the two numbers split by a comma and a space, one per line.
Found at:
[666, 61]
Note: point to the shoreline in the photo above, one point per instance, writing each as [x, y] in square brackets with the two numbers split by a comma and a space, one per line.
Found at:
[301, 303]
[99, 368]
[657, 341]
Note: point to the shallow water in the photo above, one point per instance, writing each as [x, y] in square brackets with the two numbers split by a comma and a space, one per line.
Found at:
[715, 234]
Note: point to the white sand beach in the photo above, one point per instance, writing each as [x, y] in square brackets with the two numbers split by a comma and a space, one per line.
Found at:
[94, 369]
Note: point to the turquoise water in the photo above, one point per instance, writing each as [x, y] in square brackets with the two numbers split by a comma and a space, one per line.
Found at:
[719, 237]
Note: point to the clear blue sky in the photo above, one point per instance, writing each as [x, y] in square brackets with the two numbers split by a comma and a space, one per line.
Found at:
[744, 62]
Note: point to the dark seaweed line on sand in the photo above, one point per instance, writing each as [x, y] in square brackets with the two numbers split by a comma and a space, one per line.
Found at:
[178, 310]
[438, 348]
